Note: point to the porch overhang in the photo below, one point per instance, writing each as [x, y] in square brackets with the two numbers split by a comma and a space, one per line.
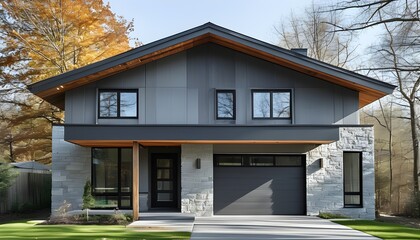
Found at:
[173, 135]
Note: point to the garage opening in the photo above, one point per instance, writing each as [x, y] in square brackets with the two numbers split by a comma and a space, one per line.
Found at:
[259, 184]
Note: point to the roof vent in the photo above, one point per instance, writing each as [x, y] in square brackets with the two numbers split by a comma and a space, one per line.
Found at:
[302, 51]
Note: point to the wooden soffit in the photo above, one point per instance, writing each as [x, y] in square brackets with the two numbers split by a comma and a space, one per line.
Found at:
[153, 143]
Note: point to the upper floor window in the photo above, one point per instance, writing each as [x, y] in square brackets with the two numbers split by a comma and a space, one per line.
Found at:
[271, 104]
[225, 104]
[118, 103]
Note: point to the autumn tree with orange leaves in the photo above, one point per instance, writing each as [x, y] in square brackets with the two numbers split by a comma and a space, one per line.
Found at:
[40, 39]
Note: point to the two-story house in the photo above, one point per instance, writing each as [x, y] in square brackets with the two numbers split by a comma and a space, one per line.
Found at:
[210, 121]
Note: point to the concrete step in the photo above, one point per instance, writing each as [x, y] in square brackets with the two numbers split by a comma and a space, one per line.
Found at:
[164, 221]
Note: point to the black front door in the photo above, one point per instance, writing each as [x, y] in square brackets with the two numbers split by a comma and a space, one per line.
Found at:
[164, 180]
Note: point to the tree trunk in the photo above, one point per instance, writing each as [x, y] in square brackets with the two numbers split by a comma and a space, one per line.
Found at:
[415, 142]
[390, 169]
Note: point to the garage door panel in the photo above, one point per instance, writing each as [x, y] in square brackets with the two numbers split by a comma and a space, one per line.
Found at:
[250, 209]
[259, 190]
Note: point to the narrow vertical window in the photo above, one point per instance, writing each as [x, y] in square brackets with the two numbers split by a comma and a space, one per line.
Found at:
[225, 104]
[352, 171]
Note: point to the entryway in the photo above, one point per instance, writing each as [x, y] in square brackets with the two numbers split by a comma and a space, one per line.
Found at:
[272, 227]
[164, 175]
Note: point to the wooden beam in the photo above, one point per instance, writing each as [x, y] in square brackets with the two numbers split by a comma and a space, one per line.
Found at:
[136, 165]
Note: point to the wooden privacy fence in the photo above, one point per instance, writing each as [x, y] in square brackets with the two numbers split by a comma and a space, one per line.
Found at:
[30, 191]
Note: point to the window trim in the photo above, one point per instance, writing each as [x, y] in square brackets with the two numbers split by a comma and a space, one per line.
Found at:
[244, 165]
[117, 194]
[217, 104]
[118, 91]
[271, 91]
[360, 193]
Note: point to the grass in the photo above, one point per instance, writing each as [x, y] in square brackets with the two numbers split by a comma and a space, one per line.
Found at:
[381, 229]
[29, 230]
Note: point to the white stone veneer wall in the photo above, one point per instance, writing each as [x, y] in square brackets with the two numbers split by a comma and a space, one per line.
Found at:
[325, 185]
[70, 170]
[197, 184]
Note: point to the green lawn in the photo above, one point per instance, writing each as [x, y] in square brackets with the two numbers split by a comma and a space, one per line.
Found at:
[28, 230]
[381, 229]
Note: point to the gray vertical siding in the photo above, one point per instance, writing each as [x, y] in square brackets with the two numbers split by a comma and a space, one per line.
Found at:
[180, 89]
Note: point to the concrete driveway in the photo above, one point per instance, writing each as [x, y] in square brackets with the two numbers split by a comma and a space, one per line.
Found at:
[271, 227]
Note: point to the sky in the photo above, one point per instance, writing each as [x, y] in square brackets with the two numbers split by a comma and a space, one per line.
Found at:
[156, 19]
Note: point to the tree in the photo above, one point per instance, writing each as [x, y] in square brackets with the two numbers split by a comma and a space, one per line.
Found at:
[88, 199]
[372, 13]
[56, 36]
[7, 176]
[312, 31]
[41, 39]
[385, 121]
[399, 53]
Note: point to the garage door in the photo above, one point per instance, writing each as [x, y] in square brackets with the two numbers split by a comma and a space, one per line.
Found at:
[259, 184]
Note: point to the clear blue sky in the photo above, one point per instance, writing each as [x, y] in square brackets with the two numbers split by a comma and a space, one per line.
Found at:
[155, 19]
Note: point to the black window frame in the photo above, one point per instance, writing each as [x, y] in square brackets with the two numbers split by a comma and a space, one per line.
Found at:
[360, 193]
[118, 91]
[271, 91]
[245, 160]
[117, 194]
[217, 104]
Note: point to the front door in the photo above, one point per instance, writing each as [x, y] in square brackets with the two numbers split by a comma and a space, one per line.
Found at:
[164, 180]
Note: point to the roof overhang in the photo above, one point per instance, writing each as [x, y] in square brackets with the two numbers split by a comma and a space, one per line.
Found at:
[53, 89]
[174, 135]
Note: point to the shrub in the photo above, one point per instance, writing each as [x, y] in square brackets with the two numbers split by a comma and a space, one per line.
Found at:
[327, 215]
[88, 199]
[117, 218]
[121, 219]
[7, 176]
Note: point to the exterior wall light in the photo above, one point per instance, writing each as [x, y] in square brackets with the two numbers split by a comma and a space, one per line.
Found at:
[198, 163]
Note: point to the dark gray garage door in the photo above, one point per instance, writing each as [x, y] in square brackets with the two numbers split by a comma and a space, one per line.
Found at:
[259, 184]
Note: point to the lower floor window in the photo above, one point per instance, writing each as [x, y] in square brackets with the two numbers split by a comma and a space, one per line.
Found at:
[112, 177]
[258, 160]
[352, 165]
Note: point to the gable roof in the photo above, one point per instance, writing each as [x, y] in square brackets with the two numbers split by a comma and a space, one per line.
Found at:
[52, 89]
